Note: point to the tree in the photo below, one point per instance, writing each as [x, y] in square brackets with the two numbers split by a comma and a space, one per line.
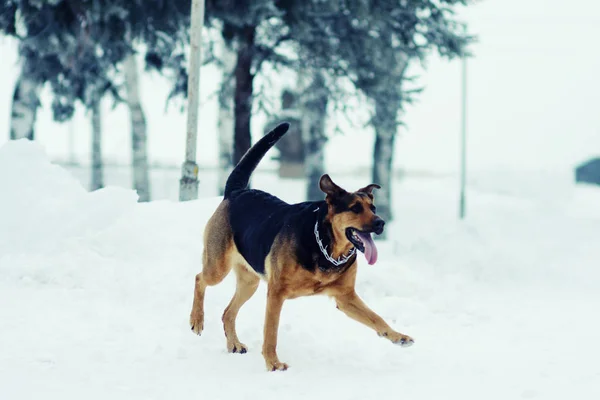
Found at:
[388, 97]
[77, 47]
[26, 101]
[399, 34]
[226, 125]
[259, 29]
[374, 42]
[355, 41]
[58, 44]
[61, 43]
[139, 145]
[367, 42]
[315, 99]
[239, 21]
[97, 173]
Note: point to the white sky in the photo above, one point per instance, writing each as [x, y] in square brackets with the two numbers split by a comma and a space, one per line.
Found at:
[533, 100]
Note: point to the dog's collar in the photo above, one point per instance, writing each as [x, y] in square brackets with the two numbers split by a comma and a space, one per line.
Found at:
[340, 260]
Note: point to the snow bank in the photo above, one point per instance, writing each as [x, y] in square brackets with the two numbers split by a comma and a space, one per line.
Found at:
[51, 224]
[42, 207]
[96, 289]
[585, 203]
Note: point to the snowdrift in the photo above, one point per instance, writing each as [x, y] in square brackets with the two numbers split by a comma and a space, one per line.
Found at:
[96, 289]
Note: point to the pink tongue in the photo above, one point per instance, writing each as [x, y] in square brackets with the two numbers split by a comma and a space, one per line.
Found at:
[370, 249]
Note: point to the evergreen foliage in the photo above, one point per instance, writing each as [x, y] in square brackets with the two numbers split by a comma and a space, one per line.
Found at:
[77, 46]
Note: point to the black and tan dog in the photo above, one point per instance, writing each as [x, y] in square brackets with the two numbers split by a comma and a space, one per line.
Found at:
[298, 249]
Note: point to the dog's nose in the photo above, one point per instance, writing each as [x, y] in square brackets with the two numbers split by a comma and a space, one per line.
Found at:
[378, 225]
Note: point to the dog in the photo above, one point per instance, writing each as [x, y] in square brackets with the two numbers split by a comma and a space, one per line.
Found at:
[301, 249]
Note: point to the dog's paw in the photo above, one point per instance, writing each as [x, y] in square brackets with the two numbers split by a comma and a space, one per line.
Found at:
[405, 341]
[197, 323]
[273, 363]
[399, 339]
[236, 347]
[277, 366]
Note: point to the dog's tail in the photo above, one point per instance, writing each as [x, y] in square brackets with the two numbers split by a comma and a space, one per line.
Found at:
[240, 176]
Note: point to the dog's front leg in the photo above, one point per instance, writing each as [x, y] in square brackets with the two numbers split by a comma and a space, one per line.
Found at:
[355, 308]
[275, 301]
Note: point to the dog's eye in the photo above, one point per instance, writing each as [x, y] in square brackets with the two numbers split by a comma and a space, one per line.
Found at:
[374, 209]
[357, 208]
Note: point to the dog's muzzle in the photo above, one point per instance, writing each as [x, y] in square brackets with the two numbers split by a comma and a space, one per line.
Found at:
[378, 226]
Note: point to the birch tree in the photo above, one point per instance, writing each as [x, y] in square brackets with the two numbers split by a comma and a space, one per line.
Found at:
[25, 104]
[139, 137]
[97, 171]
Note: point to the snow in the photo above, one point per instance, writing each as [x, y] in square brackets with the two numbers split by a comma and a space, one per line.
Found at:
[96, 290]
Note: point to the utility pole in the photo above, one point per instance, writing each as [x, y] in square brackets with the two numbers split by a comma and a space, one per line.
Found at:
[463, 140]
[188, 185]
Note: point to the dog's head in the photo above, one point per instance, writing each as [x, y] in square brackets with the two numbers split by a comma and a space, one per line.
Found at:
[353, 216]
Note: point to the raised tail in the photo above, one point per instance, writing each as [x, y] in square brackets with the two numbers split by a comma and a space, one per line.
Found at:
[240, 176]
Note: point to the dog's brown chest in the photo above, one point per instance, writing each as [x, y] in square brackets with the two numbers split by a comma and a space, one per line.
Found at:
[298, 282]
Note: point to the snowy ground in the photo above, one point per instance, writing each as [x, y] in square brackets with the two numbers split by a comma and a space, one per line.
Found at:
[95, 294]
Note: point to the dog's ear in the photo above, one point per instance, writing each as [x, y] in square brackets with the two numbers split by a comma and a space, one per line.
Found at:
[329, 187]
[369, 189]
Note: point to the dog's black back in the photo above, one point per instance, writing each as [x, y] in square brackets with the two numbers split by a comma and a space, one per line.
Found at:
[257, 217]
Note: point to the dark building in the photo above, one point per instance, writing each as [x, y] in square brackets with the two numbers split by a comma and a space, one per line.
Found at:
[588, 172]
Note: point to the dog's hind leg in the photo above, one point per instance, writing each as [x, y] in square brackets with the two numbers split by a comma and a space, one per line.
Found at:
[247, 283]
[216, 262]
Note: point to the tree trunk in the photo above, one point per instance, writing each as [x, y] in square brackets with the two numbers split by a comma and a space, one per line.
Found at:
[383, 155]
[24, 107]
[97, 181]
[388, 103]
[243, 94]
[139, 147]
[314, 116]
[226, 117]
